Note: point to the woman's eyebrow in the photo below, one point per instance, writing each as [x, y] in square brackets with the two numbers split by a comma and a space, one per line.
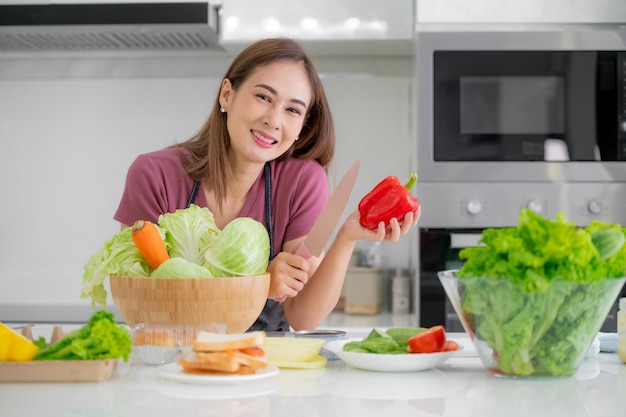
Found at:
[273, 91]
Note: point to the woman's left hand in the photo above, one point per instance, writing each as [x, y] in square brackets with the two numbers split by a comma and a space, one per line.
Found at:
[392, 232]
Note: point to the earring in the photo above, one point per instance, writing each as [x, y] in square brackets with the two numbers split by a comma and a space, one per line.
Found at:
[222, 109]
[297, 137]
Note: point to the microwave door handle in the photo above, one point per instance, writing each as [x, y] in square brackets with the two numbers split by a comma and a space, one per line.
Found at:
[580, 128]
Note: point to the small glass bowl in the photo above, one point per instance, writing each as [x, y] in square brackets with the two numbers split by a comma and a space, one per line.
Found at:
[156, 355]
[161, 344]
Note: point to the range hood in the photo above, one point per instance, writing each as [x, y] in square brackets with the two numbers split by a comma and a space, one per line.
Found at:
[122, 26]
[223, 27]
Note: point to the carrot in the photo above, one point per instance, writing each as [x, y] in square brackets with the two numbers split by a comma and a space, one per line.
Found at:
[148, 240]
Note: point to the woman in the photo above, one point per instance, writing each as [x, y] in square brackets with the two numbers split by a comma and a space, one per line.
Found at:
[263, 153]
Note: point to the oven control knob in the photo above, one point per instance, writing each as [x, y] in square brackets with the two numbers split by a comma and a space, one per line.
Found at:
[594, 207]
[535, 205]
[474, 207]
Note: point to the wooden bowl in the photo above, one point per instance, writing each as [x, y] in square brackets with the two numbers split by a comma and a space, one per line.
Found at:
[235, 302]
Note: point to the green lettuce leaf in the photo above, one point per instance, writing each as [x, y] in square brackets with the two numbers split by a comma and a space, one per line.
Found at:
[189, 232]
[118, 256]
[538, 250]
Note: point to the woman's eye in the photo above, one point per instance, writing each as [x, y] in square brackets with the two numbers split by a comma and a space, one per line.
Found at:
[294, 110]
[263, 97]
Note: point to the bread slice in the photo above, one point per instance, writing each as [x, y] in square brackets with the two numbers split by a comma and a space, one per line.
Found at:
[230, 362]
[211, 342]
[223, 363]
[232, 356]
[243, 370]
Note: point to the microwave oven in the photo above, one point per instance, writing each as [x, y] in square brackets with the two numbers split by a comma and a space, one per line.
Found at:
[513, 116]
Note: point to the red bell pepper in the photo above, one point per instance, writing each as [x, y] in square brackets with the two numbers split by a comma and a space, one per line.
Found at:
[387, 200]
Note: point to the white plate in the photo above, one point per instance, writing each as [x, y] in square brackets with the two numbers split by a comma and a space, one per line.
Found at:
[389, 362]
[174, 371]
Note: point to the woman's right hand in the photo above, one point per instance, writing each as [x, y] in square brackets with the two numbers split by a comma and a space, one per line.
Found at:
[288, 275]
[353, 230]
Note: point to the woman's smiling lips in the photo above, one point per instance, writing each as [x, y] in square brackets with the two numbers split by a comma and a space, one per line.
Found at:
[263, 140]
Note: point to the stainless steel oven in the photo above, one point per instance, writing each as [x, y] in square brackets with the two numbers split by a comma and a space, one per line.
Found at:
[514, 116]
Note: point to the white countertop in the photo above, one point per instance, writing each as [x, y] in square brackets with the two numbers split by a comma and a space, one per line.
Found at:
[460, 387]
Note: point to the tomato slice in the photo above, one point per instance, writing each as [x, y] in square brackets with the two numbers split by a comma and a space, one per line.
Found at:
[450, 345]
[428, 341]
[253, 351]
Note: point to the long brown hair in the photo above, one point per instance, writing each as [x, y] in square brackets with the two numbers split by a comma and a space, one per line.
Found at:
[209, 147]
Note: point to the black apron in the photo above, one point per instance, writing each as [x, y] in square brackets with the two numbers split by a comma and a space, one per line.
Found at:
[272, 317]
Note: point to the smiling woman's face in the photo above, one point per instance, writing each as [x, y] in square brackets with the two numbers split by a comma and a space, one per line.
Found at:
[267, 111]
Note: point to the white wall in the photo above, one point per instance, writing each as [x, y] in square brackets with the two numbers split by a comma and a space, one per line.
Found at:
[66, 143]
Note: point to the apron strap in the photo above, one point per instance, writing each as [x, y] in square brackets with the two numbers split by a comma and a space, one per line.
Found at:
[268, 207]
[194, 193]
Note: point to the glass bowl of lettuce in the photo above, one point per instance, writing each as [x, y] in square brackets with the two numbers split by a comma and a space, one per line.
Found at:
[533, 297]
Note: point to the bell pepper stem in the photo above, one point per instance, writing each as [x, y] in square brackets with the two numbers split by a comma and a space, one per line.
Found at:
[412, 180]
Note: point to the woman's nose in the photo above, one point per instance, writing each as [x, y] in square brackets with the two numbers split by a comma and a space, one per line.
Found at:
[272, 118]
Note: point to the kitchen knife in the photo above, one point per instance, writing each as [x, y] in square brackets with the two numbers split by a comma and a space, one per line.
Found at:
[314, 243]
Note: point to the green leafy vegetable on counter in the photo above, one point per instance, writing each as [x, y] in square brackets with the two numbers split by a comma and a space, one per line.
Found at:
[393, 340]
[537, 291]
[100, 338]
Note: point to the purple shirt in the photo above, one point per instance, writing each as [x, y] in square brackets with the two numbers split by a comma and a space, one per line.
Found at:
[156, 183]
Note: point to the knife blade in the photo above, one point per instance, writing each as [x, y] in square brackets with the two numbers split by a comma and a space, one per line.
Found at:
[316, 240]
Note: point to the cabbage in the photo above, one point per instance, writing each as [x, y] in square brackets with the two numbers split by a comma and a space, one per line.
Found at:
[180, 268]
[189, 232]
[118, 256]
[241, 248]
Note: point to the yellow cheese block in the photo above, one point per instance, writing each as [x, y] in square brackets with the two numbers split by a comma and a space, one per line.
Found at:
[14, 346]
[5, 342]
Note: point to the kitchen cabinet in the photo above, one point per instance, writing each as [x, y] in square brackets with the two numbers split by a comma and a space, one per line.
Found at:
[326, 27]
[528, 11]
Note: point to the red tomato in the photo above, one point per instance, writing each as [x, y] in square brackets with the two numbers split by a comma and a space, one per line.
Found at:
[428, 341]
[252, 351]
[450, 345]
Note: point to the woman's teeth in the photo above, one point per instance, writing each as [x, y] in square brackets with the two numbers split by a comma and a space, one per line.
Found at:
[263, 138]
